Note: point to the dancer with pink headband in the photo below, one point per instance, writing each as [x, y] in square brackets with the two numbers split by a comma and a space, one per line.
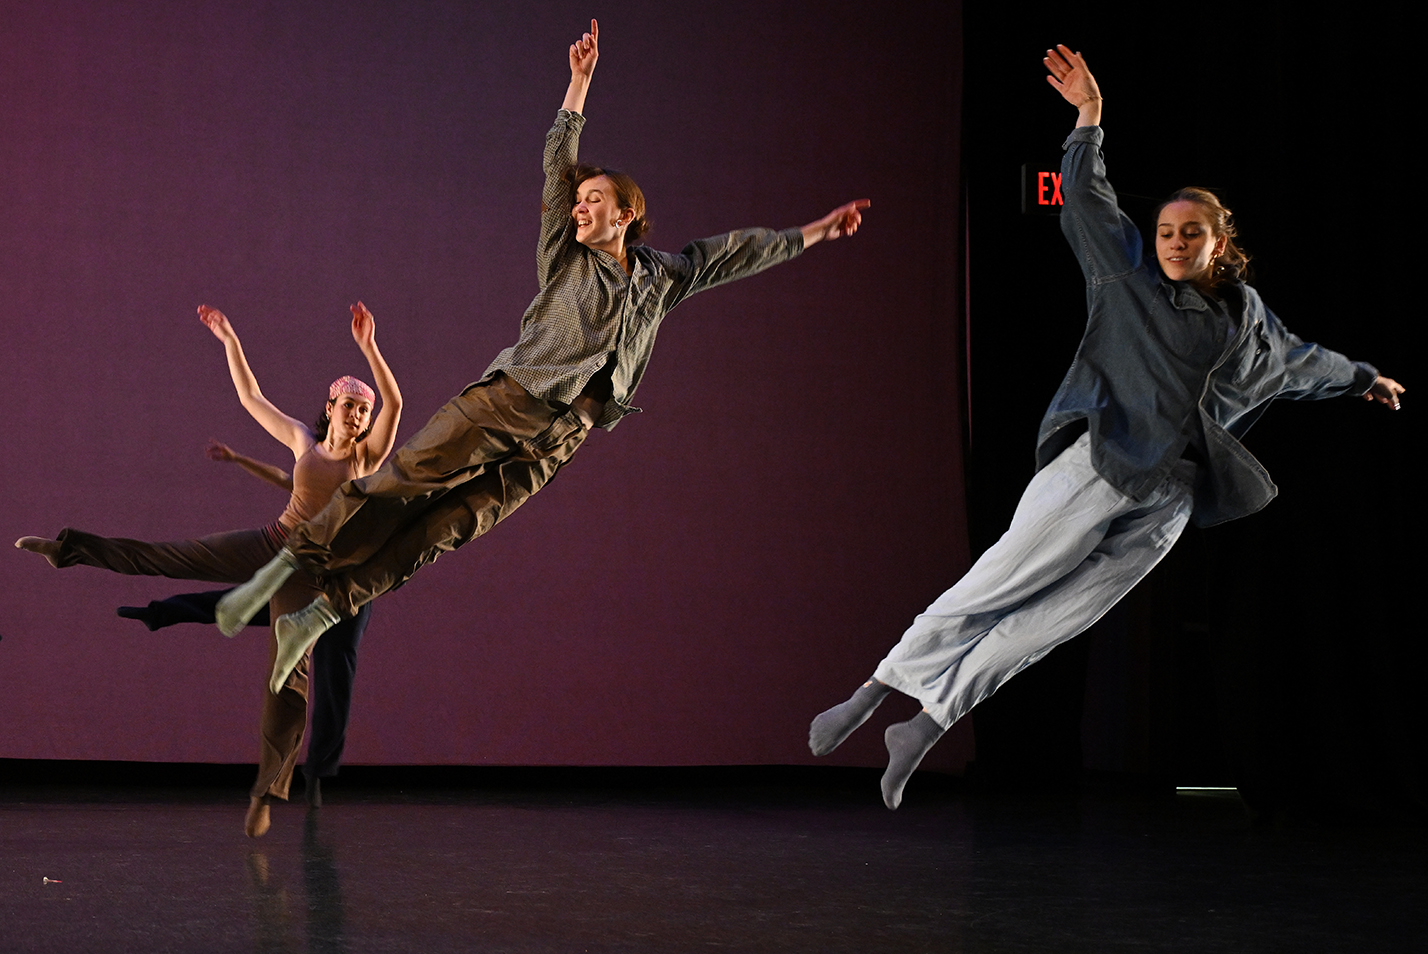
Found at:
[348, 442]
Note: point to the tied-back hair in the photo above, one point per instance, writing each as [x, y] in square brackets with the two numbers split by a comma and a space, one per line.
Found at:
[1232, 264]
[627, 195]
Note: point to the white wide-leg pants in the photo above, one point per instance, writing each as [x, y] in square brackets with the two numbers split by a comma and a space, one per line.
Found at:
[1075, 546]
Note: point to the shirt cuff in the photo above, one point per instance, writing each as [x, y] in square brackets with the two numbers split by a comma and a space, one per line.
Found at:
[1365, 375]
[1092, 134]
[566, 116]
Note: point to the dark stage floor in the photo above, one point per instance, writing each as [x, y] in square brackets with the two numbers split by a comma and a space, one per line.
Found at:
[685, 860]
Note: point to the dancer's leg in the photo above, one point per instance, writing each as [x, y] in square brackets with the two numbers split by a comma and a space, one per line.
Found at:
[971, 666]
[284, 714]
[221, 557]
[1063, 514]
[450, 521]
[950, 661]
[483, 424]
[473, 430]
[184, 608]
[334, 670]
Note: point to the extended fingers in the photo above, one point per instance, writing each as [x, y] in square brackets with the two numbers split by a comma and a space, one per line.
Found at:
[847, 219]
[1385, 391]
[587, 43]
[1073, 59]
[1063, 61]
[1056, 64]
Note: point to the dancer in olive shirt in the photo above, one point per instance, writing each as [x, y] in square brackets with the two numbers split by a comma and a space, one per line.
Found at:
[583, 347]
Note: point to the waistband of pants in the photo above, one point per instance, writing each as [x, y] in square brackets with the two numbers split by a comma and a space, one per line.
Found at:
[587, 408]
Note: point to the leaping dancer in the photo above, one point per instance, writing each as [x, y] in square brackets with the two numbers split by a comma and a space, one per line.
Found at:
[332, 670]
[1179, 358]
[584, 343]
[348, 442]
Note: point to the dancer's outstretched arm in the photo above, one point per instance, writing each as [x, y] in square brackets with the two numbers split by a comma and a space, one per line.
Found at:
[379, 442]
[584, 52]
[219, 451]
[286, 430]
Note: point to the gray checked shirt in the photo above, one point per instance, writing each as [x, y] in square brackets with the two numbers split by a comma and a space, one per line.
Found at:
[587, 307]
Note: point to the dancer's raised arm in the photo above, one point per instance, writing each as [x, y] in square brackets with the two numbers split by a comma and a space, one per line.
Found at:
[584, 53]
[378, 445]
[286, 430]
[1073, 80]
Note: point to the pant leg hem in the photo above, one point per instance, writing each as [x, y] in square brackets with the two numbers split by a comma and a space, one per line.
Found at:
[938, 711]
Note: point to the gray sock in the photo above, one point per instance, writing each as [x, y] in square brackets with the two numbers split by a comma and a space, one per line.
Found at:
[907, 743]
[830, 728]
[242, 603]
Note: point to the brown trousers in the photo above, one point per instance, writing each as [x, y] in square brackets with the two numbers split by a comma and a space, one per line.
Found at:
[230, 557]
[480, 457]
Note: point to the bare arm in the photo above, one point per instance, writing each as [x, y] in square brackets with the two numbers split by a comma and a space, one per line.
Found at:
[219, 451]
[843, 220]
[583, 54]
[384, 427]
[1073, 80]
[288, 431]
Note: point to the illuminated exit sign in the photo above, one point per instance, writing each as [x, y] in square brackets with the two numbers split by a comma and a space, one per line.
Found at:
[1041, 188]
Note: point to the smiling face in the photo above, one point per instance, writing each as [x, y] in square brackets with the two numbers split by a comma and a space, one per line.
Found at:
[599, 220]
[348, 416]
[1185, 242]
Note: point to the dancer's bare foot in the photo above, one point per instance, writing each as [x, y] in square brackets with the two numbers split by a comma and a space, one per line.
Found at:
[257, 822]
[44, 546]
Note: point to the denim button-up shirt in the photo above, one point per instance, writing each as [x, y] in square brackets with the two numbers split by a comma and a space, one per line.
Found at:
[1155, 356]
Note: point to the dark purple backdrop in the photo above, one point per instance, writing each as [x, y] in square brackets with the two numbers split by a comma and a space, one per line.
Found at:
[696, 585]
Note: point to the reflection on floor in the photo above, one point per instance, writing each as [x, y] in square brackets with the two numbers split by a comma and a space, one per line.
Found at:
[679, 860]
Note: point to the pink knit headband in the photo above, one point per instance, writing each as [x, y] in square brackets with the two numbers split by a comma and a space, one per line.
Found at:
[347, 384]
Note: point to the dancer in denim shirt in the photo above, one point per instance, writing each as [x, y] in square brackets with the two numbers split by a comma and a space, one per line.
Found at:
[1178, 360]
